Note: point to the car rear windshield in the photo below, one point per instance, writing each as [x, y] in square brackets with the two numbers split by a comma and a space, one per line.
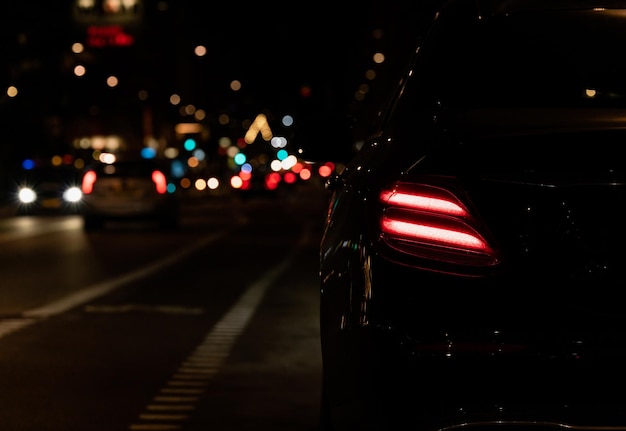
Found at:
[129, 169]
[550, 58]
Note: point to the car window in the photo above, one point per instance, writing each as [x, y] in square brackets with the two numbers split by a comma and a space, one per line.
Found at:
[553, 58]
[61, 174]
[129, 169]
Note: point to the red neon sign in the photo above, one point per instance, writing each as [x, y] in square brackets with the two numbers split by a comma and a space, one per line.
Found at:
[111, 35]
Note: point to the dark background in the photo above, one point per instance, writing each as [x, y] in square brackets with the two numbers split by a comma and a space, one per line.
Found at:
[300, 59]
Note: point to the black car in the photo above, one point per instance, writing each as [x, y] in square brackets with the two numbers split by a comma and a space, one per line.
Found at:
[47, 189]
[129, 189]
[473, 259]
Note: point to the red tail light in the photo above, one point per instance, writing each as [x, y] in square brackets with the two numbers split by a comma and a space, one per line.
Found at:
[160, 182]
[88, 181]
[429, 226]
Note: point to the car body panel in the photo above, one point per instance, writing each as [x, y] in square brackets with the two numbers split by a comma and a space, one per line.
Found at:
[424, 337]
[48, 185]
[124, 191]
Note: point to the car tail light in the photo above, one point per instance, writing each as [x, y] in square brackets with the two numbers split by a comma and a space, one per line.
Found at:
[160, 182]
[88, 181]
[430, 227]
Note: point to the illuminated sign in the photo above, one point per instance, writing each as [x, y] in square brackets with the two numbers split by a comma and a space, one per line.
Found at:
[108, 36]
[103, 13]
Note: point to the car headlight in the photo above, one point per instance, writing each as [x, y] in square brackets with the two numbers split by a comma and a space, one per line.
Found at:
[73, 194]
[26, 195]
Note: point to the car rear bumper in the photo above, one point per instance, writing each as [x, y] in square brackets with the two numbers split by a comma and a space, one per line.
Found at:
[380, 381]
[439, 352]
[128, 209]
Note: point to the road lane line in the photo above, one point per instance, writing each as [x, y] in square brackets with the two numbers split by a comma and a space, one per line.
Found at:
[99, 289]
[27, 227]
[8, 326]
[218, 343]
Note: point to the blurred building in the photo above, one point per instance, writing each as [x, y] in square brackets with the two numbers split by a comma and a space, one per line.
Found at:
[81, 68]
[141, 70]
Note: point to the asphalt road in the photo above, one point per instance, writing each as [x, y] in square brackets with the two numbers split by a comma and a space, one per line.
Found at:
[213, 326]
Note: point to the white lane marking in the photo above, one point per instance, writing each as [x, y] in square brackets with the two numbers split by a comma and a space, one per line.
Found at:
[179, 399]
[99, 289]
[182, 391]
[26, 227]
[171, 407]
[196, 371]
[159, 427]
[29, 317]
[8, 326]
[125, 308]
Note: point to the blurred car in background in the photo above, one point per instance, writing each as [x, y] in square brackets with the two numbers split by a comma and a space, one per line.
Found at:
[48, 189]
[472, 259]
[129, 189]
